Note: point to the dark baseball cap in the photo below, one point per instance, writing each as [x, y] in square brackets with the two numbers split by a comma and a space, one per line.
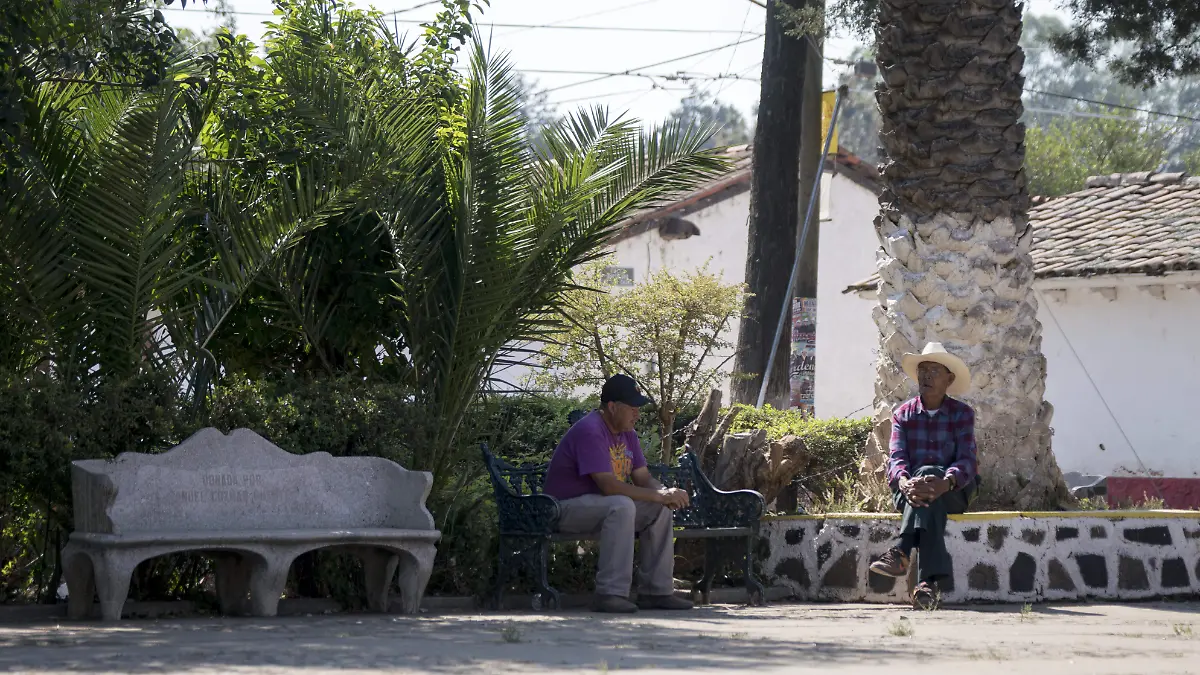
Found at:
[622, 389]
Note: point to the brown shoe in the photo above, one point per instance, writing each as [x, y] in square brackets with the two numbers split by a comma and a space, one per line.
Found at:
[926, 596]
[892, 564]
[663, 602]
[613, 604]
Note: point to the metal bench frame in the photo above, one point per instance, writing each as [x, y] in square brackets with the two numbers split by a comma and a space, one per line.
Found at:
[529, 523]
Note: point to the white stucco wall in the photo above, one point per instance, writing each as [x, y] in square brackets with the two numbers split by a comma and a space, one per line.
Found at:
[847, 339]
[721, 244]
[1143, 353]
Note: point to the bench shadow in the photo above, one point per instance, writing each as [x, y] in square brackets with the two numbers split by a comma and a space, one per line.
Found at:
[480, 643]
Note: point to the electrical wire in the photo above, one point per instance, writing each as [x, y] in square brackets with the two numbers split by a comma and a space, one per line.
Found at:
[238, 12]
[1050, 311]
[639, 90]
[681, 75]
[651, 65]
[745, 19]
[1113, 105]
[602, 12]
[627, 29]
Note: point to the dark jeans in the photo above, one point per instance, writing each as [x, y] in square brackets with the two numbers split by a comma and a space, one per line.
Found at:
[925, 527]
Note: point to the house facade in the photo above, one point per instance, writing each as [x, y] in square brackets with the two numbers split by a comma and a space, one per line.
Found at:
[709, 227]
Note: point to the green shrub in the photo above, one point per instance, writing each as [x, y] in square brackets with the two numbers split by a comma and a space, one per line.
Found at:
[837, 447]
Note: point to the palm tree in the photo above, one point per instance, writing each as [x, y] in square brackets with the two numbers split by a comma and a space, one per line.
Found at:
[955, 265]
[149, 237]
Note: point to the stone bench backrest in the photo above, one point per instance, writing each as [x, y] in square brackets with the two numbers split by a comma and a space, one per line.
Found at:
[241, 481]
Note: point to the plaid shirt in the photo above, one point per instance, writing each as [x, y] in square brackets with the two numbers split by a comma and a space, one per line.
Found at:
[944, 439]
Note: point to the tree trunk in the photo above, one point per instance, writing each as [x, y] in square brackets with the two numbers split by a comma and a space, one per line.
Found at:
[955, 262]
[666, 430]
[774, 213]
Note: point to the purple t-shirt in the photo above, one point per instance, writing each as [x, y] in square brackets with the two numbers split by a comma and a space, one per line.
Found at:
[589, 447]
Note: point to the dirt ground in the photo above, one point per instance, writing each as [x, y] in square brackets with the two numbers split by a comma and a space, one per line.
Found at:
[782, 638]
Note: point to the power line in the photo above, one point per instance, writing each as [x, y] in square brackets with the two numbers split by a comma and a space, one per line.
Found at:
[1113, 105]
[627, 29]
[639, 90]
[545, 26]
[745, 19]
[651, 65]
[681, 75]
[238, 12]
[631, 5]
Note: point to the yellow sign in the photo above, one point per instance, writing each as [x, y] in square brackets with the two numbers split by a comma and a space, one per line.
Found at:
[827, 101]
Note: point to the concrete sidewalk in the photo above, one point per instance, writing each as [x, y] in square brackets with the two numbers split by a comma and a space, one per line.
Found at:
[1143, 638]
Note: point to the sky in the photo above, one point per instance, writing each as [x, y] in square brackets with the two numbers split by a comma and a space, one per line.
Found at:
[666, 31]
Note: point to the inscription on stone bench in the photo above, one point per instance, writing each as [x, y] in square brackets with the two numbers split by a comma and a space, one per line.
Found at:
[244, 489]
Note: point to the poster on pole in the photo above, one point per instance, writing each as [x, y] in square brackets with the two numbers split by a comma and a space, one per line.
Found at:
[828, 98]
[804, 355]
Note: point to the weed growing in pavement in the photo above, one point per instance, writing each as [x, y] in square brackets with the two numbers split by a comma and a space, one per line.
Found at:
[511, 633]
[901, 628]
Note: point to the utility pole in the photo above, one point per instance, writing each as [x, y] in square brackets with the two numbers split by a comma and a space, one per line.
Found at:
[812, 163]
[774, 218]
[803, 373]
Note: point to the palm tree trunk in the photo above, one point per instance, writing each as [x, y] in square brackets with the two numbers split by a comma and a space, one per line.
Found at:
[955, 263]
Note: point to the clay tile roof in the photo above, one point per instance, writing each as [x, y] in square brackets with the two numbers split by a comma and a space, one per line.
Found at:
[1135, 223]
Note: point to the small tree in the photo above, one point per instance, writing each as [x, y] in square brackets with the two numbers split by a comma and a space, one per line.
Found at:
[669, 333]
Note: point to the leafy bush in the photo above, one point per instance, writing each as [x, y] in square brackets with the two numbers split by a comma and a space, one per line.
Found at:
[44, 427]
[836, 445]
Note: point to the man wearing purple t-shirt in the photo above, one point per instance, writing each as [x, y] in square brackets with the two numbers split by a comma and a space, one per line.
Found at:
[599, 477]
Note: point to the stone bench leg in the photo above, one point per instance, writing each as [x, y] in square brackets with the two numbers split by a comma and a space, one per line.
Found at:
[81, 582]
[107, 573]
[268, 576]
[233, 582]
[415, 567]
[379, 568]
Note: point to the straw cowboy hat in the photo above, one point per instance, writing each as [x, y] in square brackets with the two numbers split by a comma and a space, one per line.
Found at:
[935, 352]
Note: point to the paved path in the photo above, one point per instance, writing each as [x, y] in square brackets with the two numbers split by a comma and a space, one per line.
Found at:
[1054, 639]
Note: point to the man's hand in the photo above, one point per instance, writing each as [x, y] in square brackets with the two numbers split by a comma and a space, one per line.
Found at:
[924, 490]
[673, 498]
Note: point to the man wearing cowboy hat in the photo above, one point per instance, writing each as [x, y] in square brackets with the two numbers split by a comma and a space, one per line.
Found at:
[931, 467]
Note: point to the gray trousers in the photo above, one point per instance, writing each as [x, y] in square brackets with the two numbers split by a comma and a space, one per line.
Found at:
[617, 518]
[926, 525]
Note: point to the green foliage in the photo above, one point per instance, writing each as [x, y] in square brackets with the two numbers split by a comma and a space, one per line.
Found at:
[335, 241]
[1064, 132]
[44, 426]
[1060, 156]
[1142, 42]
[669, 332]
[836, 446]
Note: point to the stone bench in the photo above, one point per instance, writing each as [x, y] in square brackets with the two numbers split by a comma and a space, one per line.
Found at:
[253, 508]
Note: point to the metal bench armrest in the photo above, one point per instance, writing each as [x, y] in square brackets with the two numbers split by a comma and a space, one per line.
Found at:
[720, 508]
[519, 514]
[530, 514]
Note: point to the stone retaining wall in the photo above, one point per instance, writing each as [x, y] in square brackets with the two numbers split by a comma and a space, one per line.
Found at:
[1004, 557]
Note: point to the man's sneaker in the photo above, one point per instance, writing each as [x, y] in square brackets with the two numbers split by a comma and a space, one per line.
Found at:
[613, 604]
[926, 596]
[893, 564]
[663, 602]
